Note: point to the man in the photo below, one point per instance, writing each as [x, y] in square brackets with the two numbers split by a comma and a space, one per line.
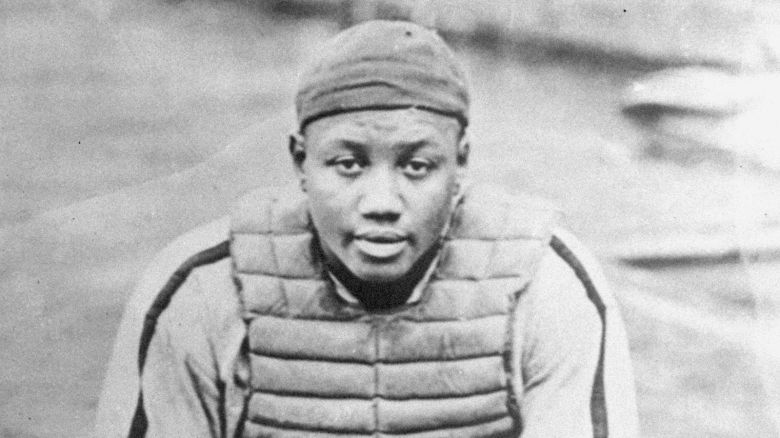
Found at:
[385, 295]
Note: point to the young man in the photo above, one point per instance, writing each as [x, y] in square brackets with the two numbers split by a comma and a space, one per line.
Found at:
[384, 296]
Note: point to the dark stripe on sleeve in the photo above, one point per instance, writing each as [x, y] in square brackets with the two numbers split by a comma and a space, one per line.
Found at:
[211, 255]
[598, 406]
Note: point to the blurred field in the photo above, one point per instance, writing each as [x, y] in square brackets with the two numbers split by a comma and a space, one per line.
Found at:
[123, 127]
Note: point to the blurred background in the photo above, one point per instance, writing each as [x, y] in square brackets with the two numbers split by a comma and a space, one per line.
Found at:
[653, 124]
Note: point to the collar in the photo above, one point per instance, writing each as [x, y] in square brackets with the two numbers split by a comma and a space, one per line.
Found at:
[415, 296]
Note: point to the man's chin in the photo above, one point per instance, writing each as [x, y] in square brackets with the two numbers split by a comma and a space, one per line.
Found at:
[379, 274]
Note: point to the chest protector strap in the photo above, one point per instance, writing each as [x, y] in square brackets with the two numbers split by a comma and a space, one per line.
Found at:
[440, 367]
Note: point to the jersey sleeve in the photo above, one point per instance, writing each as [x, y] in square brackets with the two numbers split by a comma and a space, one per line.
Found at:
[180, 378]
[189, 380]
[574, 362]
[121, 386]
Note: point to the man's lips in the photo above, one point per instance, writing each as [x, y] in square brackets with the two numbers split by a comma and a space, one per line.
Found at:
[381, 243]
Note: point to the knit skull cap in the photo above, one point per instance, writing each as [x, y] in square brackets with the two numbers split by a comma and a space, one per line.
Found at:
[380, 65]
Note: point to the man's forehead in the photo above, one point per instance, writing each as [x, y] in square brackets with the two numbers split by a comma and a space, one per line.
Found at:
[402, 125]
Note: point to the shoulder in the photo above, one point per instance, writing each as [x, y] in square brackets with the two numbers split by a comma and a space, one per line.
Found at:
[196, 317]
[188, 249]
[568, 293]
[189, 281]
[121, 383]
[583, 265]
[171, 275]
[209, 262]
[568, 272]
[180, 256]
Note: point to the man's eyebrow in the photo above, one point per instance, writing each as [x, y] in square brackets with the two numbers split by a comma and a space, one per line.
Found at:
[345, 143]
[352, 145]
[412, 146]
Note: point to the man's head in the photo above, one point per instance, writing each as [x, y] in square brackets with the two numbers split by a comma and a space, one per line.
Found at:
[381, 150]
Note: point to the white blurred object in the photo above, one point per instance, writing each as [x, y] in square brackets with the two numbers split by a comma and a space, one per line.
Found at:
[695, 114]
[700, 114]
[692, 113]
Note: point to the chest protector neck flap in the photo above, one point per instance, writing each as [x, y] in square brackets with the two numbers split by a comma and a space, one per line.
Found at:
[441, 367]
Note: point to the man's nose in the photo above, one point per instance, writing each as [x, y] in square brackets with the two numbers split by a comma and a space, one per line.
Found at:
[381, 198]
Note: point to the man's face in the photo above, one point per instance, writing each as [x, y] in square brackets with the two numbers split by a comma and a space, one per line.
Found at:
[380, 186]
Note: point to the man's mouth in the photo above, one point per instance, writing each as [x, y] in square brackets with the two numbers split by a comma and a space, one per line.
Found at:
[381, 243]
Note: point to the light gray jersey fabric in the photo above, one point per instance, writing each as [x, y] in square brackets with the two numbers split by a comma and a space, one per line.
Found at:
[189, 378]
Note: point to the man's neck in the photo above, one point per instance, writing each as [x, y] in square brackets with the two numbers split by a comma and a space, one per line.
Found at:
[384, 295]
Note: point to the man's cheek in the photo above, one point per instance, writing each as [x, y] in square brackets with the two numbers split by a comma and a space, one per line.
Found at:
[334, 216]
[435, 203]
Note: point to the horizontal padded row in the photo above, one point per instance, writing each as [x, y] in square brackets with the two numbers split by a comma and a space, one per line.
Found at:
[389, 381]
[364, 416]
[382, 341]
[502, 427]
[283, 256]
[313, 299]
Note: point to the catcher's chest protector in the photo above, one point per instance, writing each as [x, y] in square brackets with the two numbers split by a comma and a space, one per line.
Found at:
[439, 368]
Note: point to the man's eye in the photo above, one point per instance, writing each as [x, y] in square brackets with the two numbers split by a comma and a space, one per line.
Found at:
[348, 166]
[417, 168]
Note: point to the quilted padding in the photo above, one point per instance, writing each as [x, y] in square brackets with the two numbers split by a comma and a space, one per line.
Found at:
[437, 368]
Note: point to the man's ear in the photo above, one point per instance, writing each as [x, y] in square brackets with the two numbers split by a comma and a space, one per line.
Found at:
[298, 154]
[464, 146]
[297, 151]
[462, 160]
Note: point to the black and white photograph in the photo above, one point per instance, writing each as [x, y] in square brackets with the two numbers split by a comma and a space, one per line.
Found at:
[390, 218]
